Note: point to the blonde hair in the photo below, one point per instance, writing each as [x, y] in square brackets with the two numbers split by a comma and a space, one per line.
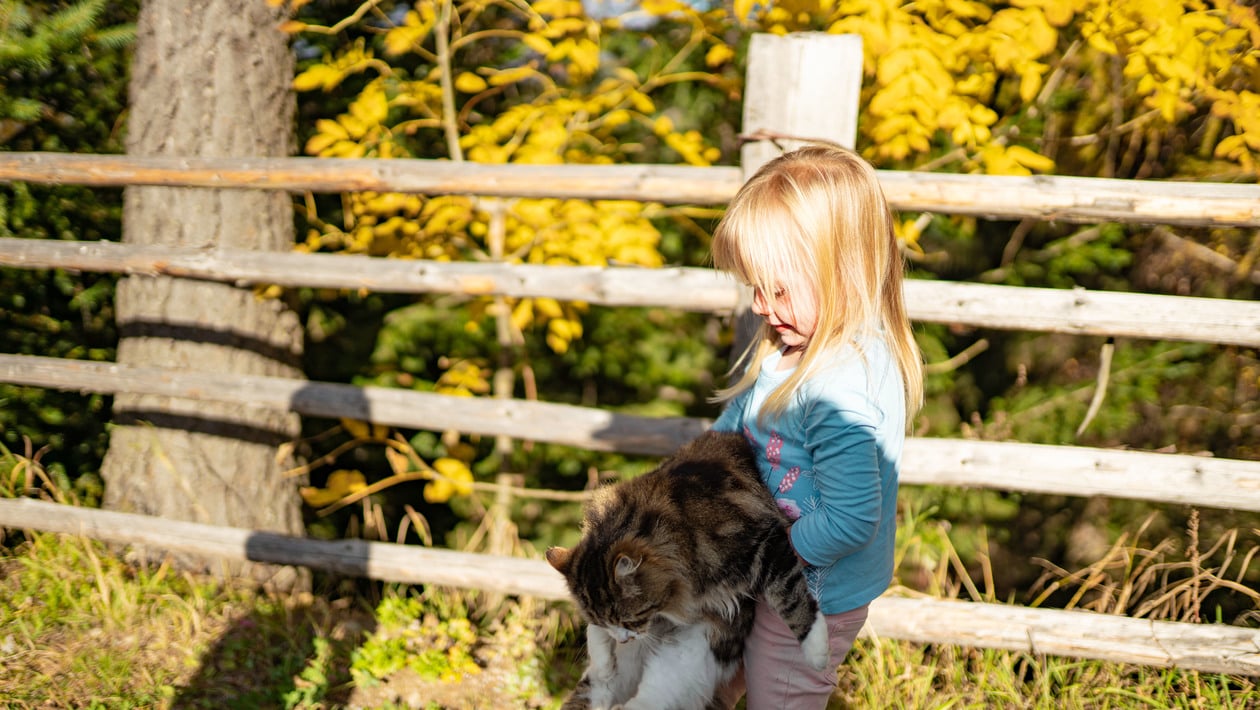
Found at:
[818, 214]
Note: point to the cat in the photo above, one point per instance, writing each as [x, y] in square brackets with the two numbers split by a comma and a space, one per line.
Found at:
[667, 574]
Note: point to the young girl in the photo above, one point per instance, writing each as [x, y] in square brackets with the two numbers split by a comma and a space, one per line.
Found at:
[829, 383]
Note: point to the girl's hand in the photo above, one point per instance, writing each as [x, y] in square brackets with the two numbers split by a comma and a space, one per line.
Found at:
[794, 552]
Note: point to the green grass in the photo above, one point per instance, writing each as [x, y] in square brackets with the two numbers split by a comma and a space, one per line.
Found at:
[79, 628]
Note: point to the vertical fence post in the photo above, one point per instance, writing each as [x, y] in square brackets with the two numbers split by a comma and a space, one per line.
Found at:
[799, 87]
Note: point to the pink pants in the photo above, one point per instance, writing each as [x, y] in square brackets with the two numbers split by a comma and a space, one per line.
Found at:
[775, 675]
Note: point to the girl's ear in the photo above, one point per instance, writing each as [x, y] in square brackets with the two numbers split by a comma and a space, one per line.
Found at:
[560, 558]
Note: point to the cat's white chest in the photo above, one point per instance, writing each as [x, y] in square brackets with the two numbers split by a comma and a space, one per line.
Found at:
[677, 672]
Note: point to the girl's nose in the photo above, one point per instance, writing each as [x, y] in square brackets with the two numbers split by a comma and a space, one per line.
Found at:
[759, 305]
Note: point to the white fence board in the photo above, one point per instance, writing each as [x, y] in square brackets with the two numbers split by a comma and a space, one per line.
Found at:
[1083, 471]
[1074, 311]
[1212, 648]
[804, 85]
[1048, 197]
[1067, 470]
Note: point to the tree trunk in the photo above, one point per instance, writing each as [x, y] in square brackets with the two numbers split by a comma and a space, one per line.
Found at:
[210, 79]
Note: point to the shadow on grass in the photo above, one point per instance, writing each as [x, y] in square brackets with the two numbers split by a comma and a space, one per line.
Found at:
[278, 655]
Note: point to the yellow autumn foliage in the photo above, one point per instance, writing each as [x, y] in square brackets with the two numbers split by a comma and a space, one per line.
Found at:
[340, 484]
[452, 478]
[555, 122]
[360, 429]
[464, 378]
[967, 75]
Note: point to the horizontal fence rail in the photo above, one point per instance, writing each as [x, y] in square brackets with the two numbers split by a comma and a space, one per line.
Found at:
[1209, 648]
[1075, 311]
[1029, 468]
[569, 425]
[1065, 199]
[1059, 470]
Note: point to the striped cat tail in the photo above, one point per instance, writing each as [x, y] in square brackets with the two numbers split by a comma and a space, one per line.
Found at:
[787, 593]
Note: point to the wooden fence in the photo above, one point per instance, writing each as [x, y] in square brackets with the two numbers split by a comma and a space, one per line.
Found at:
[1192, 480]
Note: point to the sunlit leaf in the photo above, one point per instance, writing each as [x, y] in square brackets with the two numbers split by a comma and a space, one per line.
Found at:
[357, 428]
[1030, 159]
[340, 484]
[470, 83]
[454, 479]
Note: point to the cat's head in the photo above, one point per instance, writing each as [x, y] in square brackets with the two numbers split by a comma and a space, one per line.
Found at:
[625, 586]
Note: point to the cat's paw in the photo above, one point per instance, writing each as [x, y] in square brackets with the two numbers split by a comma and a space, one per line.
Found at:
[816, 644]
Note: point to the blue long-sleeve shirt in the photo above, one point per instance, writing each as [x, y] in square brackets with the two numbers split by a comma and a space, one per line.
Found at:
[832, 461]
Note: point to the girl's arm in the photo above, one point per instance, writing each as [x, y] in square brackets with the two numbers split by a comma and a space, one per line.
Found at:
[731, 418]
[846, 458]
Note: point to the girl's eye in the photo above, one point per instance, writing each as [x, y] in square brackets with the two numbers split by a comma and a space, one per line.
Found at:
[777, 293]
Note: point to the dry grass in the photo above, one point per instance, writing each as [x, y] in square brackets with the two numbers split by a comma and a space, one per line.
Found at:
[1155, 582]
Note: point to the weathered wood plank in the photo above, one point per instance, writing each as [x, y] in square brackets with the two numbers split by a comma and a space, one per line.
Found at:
[803, 85]
[1075, 199]
[671, 184]
[582, 427]
[684, 288]
[1210, 648]
[1064, 199]
[1084, 312]
[1083, 471]
[1066, 470]
[1076, 311]
[375, 560]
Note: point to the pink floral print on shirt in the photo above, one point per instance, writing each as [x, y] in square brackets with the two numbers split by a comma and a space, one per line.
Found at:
[789, 479]
[789, 508]
[774, 450]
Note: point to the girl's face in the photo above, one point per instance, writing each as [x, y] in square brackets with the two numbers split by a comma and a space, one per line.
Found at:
[794, 315]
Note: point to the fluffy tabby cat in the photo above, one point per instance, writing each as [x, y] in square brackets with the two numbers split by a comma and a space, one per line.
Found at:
[667, 573]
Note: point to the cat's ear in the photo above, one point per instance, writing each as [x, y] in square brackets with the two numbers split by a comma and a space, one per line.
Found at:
[628, 555]
[560, 557]
[625, 566]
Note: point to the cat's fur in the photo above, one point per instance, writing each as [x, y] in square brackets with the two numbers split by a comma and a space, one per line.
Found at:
[667, 574]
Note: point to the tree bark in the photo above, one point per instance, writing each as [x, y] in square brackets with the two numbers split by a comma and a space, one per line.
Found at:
[210, 79]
